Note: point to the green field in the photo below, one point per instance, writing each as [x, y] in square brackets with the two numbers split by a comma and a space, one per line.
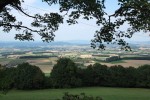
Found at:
[47, 74]
[116, 62]
[105, 93]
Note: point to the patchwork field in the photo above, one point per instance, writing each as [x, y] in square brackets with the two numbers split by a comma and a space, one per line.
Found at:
[104, 92]
[127, 63]
[46, 64]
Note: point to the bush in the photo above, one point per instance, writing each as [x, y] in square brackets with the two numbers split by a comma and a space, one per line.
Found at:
[143, 76]
[29, 77]
[95, 75]
[7, 79]
[82, 96]
[64, 74]
[47, 82]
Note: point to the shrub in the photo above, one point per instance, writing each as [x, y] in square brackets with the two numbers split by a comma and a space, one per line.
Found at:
[82, 96]
[29, 77]
[64, 74]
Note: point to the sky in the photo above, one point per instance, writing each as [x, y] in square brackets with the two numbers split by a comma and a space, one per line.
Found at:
[84, 30]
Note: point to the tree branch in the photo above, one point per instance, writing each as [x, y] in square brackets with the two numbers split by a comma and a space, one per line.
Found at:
[19, 26]
[24, 12]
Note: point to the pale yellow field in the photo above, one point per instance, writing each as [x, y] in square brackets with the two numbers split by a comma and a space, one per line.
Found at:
[45, 68]
[133, 63]
[38, 61]
[44, 64]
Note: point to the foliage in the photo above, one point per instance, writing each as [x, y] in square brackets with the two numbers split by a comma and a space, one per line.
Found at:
[95, 75]
[131, 77]
[28, 77]
[132, 12]
[7, 79]
[24, 76]
[82, 96]
[45, 24]
[143, 76]
[98, 75]
[87, 76]
[101, 75]
[32, 57]
[114, 76]
[136, 58]
[47, 83]
[64, 74]
[118, 76]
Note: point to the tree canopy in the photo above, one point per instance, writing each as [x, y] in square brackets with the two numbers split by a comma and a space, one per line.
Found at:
[28, 77]
[132, 12]
[64, 74]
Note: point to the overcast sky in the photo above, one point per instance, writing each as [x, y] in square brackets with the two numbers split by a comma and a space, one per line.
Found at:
[84, 30]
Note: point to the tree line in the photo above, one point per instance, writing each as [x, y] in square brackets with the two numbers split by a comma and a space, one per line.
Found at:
[66, 74]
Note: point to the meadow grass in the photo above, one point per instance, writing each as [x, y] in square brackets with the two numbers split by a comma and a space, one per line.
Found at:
[104, 92]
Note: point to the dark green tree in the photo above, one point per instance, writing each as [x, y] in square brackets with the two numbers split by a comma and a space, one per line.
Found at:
[64, 74]
[29, 77]
[130, 77]
[101, 74]
[143, 76]
[7, 79]
[47, 82]
[87, 76]
[117, 76]
[114, 76]
[44, 25]
[133, 12]
[95, 75]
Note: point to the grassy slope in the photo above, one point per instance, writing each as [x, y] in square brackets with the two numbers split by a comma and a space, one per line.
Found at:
[105, 93]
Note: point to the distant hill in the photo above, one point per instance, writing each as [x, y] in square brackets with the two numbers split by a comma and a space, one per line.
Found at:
[25, 44]
[78, 42]
[37, 44]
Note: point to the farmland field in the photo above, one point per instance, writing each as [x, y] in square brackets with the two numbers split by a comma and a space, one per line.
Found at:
[45, 57]
[104, 92]
[46, 64]
[127, 63]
